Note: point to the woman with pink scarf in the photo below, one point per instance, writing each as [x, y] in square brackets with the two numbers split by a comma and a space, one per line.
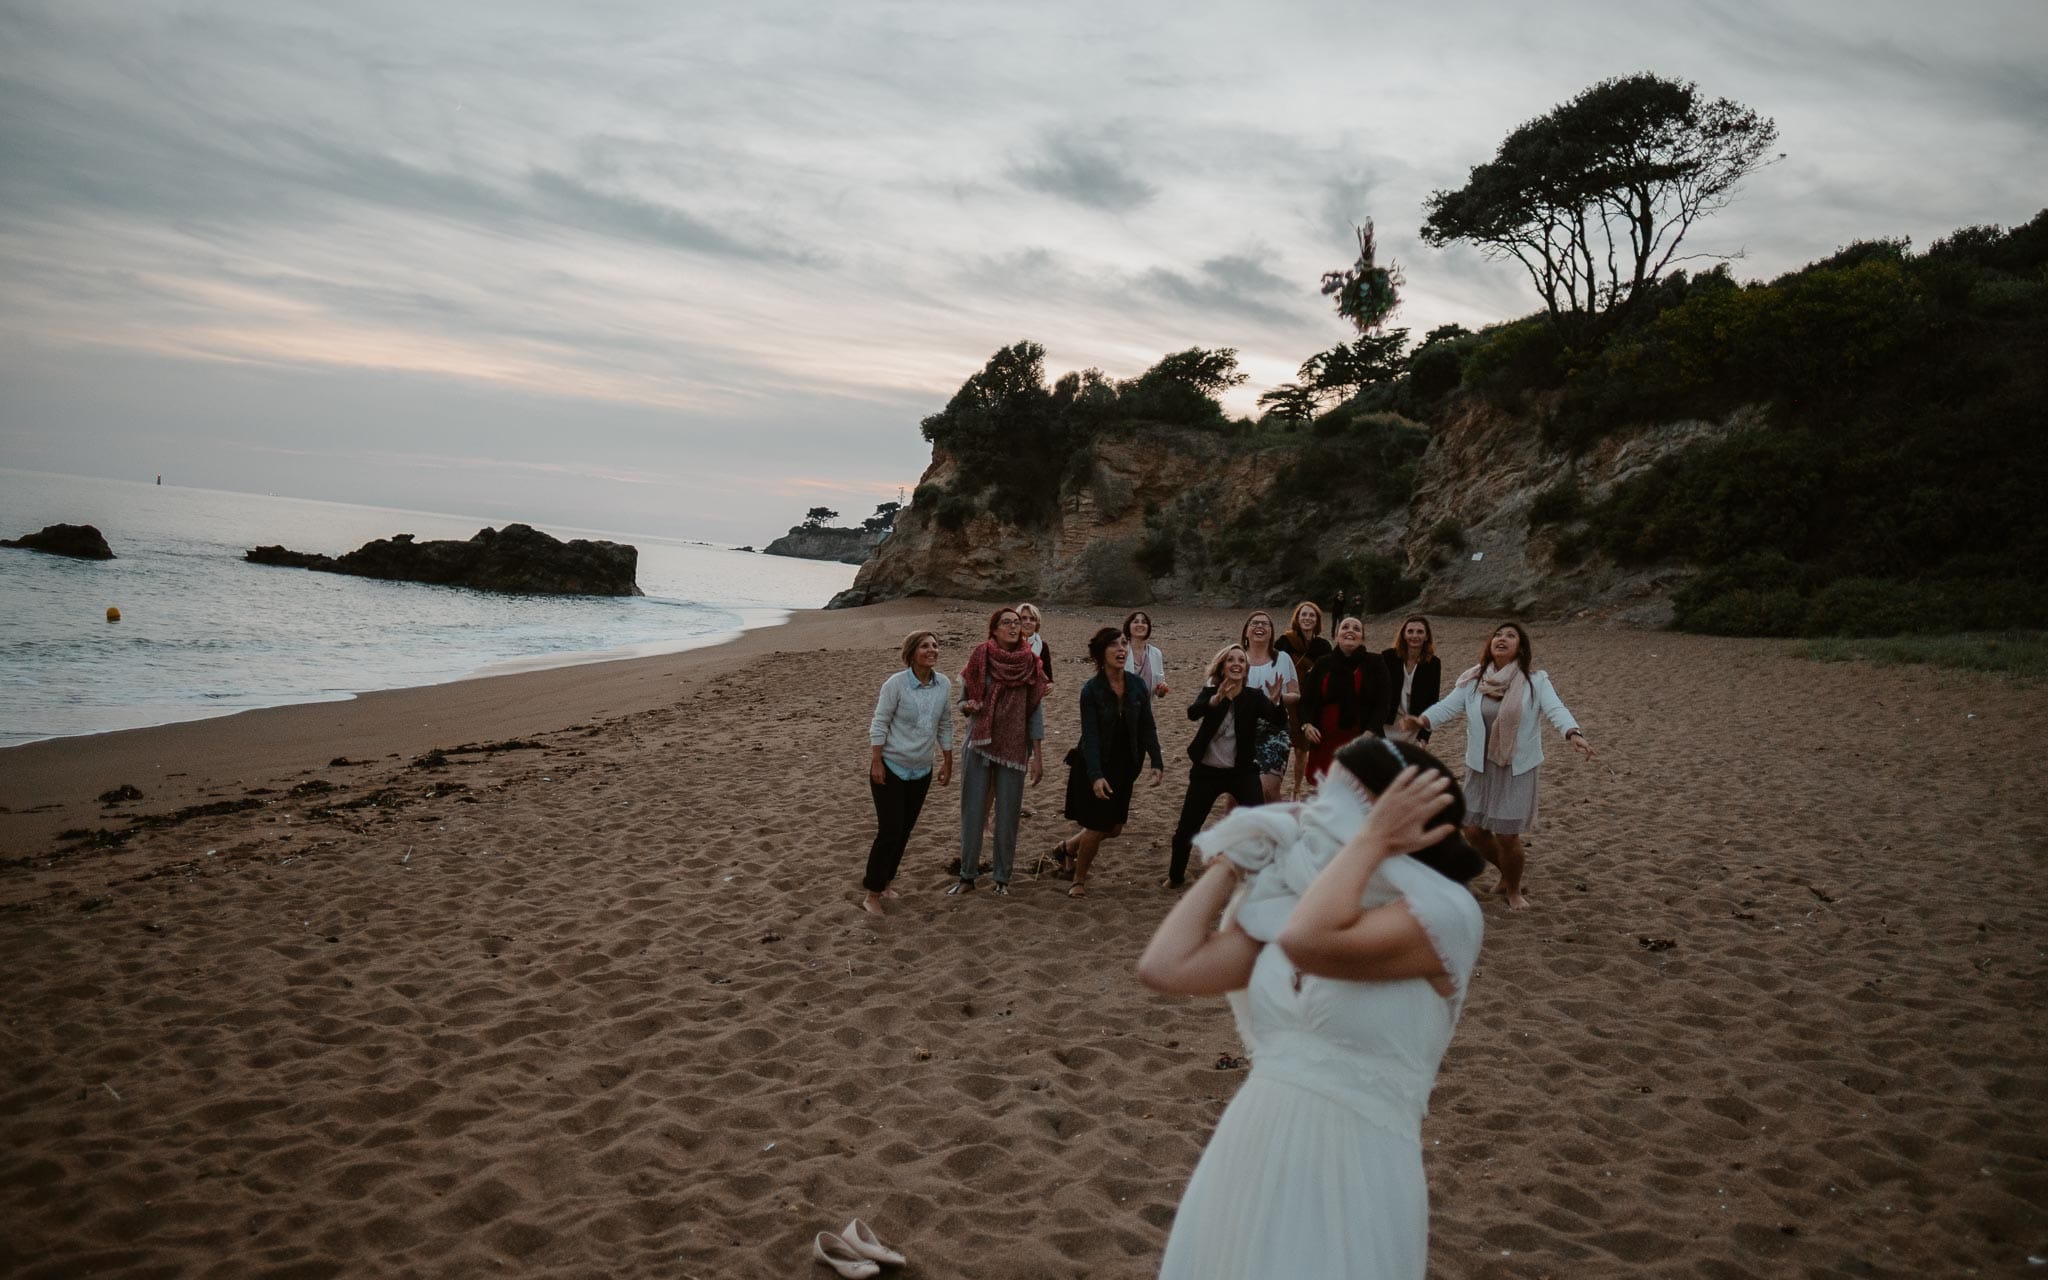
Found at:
[1500, 698]
[1001, 690]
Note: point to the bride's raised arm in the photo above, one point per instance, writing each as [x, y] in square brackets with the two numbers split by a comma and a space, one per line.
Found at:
[1330, 935]
[1188, 955]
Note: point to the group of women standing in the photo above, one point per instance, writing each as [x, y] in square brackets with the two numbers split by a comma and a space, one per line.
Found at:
[1274, 697]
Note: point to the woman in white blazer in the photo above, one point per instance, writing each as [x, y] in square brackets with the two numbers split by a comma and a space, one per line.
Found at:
[1501, 698]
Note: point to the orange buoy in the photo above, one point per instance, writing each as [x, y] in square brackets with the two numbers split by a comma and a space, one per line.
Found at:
[113, 614]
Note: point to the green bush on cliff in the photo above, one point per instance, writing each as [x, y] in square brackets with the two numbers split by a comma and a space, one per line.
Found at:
[1892, 482]
[1366, 461]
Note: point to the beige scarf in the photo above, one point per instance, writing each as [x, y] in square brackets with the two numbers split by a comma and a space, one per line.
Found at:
[1512, 688]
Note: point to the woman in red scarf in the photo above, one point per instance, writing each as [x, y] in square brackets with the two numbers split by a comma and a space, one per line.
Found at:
[1001, 690]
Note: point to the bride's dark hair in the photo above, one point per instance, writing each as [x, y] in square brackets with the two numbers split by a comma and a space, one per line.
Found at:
[1376, 762]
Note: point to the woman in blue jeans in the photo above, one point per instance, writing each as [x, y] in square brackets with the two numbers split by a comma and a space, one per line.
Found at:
[1001, 689]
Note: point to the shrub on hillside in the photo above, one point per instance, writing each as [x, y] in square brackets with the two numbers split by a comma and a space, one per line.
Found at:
[1527, 355]
[1561, 503]
[1745, 611]
[1369, 460]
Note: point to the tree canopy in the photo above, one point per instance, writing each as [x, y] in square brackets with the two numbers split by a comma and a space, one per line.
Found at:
[1594, 197]
[1349, 367]
[1014, 437]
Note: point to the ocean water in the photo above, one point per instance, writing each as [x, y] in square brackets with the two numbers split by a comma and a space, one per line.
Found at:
[204, 633]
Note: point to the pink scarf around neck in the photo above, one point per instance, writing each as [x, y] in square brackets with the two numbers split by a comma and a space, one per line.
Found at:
[1512, 688]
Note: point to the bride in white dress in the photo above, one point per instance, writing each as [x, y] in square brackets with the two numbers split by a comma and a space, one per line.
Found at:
[1345, 958]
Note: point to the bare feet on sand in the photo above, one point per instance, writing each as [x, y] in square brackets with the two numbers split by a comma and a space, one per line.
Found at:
[872, 904]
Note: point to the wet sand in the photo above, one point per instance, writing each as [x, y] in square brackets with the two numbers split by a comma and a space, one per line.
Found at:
[601, 1001]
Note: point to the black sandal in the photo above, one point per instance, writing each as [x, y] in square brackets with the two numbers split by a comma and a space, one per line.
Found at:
[1058, 855]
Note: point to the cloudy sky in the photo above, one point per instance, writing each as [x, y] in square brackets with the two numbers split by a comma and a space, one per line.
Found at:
[690, 267]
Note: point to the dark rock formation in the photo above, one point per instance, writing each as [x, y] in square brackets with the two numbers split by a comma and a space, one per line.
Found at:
[79, 541]
[517, 558]
[814, 542]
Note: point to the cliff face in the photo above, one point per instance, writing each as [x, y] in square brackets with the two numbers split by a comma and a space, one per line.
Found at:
[1481, 477]
[1092, 550]
[1163, 515]
[847, 546]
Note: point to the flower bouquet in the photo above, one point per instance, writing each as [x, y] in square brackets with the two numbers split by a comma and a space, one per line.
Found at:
[1367, 293]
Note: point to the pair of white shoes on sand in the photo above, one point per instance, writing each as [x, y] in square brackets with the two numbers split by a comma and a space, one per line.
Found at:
[856, 1252]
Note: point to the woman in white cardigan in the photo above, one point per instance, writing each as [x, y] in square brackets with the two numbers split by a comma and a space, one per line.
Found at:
[1500, 698]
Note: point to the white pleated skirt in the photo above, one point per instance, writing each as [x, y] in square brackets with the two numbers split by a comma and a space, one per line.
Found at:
[1295, 1184]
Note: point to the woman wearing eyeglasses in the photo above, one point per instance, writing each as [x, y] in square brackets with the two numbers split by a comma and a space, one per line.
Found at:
[1002, 689]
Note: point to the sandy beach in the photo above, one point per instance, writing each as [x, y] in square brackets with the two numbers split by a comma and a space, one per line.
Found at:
[563, 974]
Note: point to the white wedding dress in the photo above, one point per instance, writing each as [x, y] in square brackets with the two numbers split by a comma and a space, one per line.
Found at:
[1315, 1170]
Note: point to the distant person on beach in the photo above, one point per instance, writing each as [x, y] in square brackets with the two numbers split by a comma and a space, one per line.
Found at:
[1346, 959]
[1117, 737]
[1415, 674]
[910, 725]
[1141, 656]
[1303, 642]
[1344, 696]
[1500, 698]
[1224, 754]
[1033, 623]
[1272, 672]
[1001, 690]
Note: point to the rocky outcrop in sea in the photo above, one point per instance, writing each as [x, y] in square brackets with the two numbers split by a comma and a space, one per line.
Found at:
[808, 542]
[516, 559]
[79, 541]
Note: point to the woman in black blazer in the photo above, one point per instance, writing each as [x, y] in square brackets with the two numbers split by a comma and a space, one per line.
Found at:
[1117, 737]
[1414, 673]
[1224, 750]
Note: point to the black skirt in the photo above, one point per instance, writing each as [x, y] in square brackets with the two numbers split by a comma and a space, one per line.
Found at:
[1121, 770]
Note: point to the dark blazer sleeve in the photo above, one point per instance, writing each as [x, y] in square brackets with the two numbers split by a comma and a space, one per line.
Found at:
[1148, 729]
[1206, 711]
[1271, 712]
[1091, 732]
[1310, 707]
[1378, 694]
[1429, 681]
[1252, 707]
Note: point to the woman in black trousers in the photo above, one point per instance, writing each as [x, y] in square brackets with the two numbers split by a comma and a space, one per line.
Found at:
[1224, 750]
[909, 726]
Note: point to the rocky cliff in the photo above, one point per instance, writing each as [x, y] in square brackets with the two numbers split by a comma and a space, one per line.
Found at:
[809, 542]
[1469, 534]
[1182, 516]
[1095, 550]
[517, 558]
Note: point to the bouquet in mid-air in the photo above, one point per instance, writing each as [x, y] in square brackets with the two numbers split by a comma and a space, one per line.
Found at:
[1367, 293]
